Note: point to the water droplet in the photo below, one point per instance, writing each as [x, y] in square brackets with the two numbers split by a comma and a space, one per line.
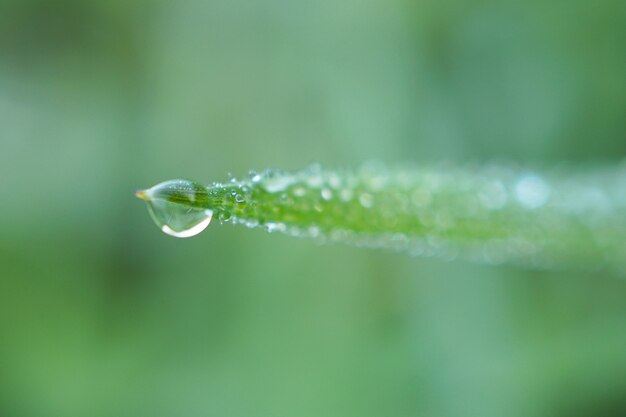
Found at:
[366, 200]
[493, 196]
[334, 181]
[326, 194]
[275, 181]
[224, 215]
[252, 223]
[275, 227]
[190, 226]
[285, 199]
[315, 181]
[239, 198]
[294, 231]
[254, 176]
[178, 207]
[314, 168]
[313, 231]
[346, 194]
[531, 191]
[377, 182]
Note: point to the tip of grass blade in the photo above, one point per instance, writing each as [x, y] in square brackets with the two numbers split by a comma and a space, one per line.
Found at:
[142, 194]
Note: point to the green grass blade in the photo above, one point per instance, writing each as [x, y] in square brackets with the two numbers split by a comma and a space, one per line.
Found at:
[489, 214]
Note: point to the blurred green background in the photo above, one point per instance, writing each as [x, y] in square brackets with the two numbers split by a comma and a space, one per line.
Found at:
[103, 315]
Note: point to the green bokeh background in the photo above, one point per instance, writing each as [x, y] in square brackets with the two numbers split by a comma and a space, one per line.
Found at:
[103, 315]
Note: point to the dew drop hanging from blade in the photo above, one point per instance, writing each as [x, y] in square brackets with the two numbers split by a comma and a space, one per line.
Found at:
[177, 207]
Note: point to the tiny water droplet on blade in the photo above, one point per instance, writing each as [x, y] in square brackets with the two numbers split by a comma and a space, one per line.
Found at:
[532, 191]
